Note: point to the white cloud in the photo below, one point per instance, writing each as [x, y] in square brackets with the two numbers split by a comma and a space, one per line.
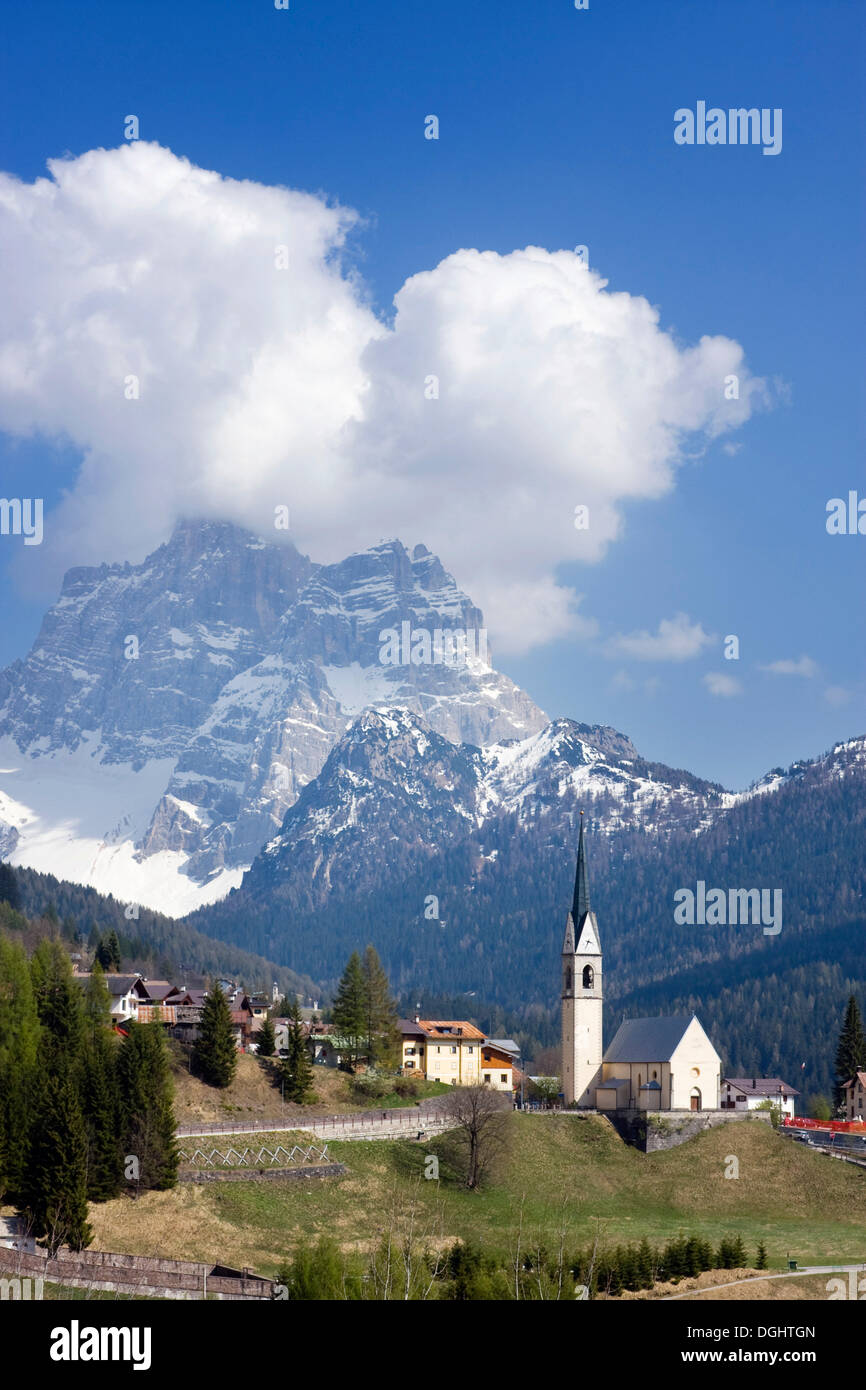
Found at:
[677, 639]
[719, 684]
[804, 667]
[262, 386]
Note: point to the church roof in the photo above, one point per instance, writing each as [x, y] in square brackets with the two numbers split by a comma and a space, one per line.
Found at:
[568, 943]
[580, 905]
[581, 928]
[647, 1039]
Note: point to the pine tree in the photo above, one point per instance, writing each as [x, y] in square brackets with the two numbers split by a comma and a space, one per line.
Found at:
[58, 1003]
[54, 1202]
[380, 1011]
[96, 1006]
[761, 1261]
[349, 1014]
[297, 1071]
[108, 951]
[100, 1110]
[267, 1039]
[851, 1050]
[9, 890]
[19, 1045]
[146, 1109]
[693, 1253]
[215, 1052]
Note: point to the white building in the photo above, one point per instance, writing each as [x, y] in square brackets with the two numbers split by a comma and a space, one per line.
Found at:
[750, 1092]
[664, 1063]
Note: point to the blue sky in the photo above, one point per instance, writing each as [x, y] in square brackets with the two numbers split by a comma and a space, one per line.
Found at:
[556, 129]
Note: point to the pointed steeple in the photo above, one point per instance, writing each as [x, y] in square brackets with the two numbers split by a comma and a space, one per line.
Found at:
[568, 945]
[580, 906]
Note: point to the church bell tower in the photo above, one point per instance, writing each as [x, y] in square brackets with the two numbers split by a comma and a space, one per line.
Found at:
[582, 999]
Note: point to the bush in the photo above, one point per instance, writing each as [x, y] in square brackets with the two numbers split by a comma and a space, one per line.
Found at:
[406, 1086]
[370, 1087]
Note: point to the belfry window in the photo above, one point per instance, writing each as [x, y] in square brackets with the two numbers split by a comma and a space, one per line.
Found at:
[568, 977]
[588, 977]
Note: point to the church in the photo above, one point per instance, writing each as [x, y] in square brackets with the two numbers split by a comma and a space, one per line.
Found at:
[652, 1063]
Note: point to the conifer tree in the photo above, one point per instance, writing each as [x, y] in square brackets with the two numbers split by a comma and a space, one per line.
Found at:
[58, 1003]
[9, 890]
[19, 1044]
[267, 1039]
[851, 1049]
[54, 1201]
[297, 1071]
[380, 1011]
[645, 1265]
[215, 1052]
[108, 951]
[761, 1261]
[100, 1109]
[96, 1005]
[349, 1014]
[146, 1109]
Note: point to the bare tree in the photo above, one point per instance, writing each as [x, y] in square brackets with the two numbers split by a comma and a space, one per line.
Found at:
[412, 1239]
[480, 1114]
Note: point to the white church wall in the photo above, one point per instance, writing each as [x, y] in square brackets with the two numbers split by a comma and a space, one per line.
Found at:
[695, 1066]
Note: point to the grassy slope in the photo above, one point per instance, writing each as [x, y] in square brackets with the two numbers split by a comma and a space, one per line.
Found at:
[253, 1096]
[793, 1200]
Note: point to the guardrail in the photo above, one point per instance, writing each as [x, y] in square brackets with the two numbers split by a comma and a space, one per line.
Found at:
[364, 1119]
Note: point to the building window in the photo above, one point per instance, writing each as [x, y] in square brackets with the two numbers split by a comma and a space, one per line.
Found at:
[503, 1076]
[454, 1049]
[588, 977]
[486, 1077]
[567, 979]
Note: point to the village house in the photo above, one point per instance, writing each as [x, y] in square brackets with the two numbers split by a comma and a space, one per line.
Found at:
[497, 1063]
[749, 1093]
[455, 1052]
[127, 992]
[855, 1097]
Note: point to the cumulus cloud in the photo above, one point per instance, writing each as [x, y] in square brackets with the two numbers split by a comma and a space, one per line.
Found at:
[804, 667]
[677, 639]
[262, 386]
[719, 684]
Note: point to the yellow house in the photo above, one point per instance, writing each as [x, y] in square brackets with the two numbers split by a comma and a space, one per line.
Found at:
[447, 1050]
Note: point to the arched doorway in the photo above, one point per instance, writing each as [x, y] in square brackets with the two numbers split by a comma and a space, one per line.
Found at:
[695, 1098]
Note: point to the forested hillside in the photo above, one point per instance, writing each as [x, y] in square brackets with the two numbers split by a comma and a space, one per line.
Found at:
[158, 946]
[772, 1001]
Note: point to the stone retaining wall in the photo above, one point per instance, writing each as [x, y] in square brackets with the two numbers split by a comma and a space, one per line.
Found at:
[654, 1130]
[318, 1170]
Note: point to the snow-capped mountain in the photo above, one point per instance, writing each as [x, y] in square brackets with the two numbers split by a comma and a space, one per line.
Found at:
[455, 861]
[392, 784]
[170, 712]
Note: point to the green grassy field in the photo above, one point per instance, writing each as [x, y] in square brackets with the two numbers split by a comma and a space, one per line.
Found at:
[557, 1169]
